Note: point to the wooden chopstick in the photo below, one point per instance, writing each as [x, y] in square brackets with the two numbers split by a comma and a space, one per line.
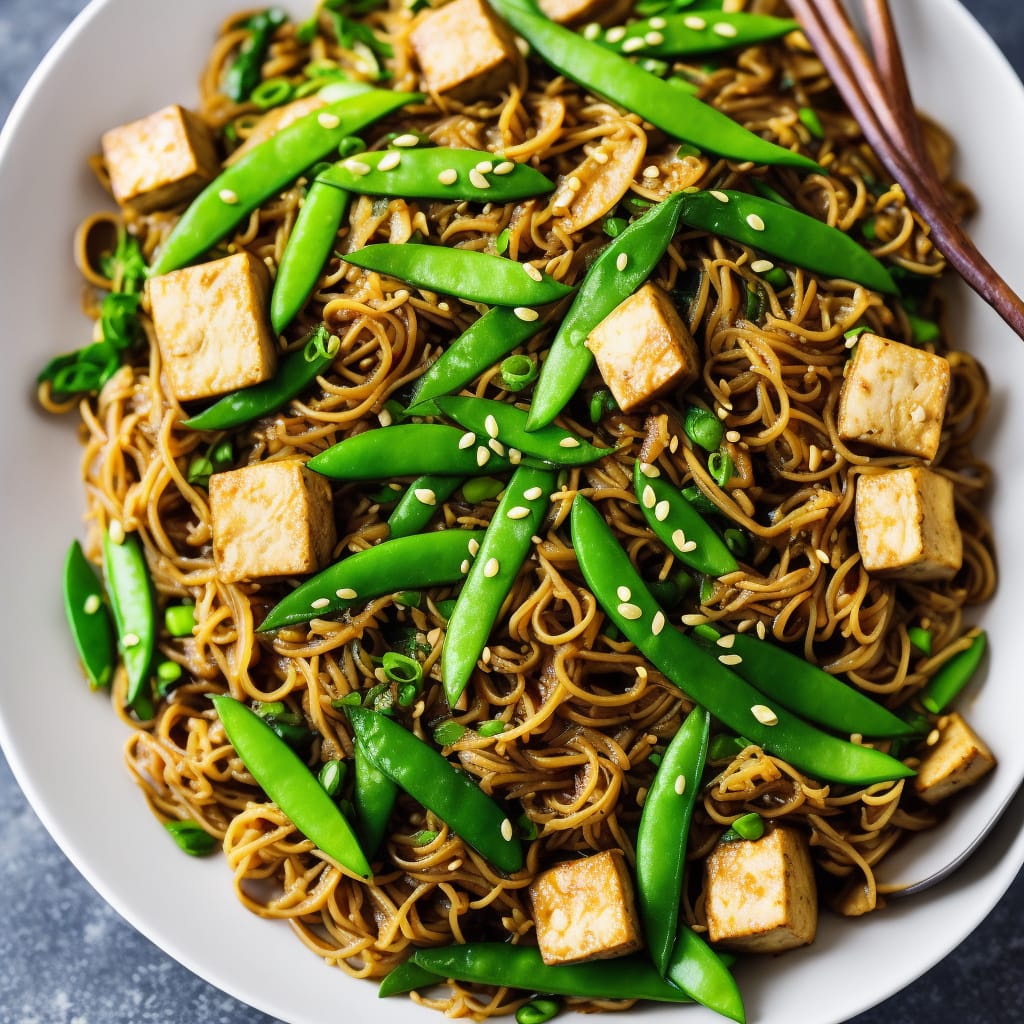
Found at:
[879, 98]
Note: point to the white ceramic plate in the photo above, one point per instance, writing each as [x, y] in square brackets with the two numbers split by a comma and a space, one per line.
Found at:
[124, 58]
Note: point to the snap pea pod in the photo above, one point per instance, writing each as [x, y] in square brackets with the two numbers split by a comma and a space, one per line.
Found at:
[437, 172]
[707, 679]
[431, 779]
[373, 797]
[134, 607]
[787, 234]
[409, 449]
[88, 618]
[464, 273]
[406, 977]
[507, 423]
[611, 76]
[622, 267]
[405, 563]
[661, 835]
[681, 35]
[294, 374]
[700, 972]
[954, 675]
[505, 545]
[680, 527]
[481, 345]
[497, 963]
[306, 252]
[417, 506]
[267, 168]
[803, 688]
[287, 780]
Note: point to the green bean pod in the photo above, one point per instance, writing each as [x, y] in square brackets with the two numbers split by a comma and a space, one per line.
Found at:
[615, 78]
[409, 449]
[287, 780]
[679, 526]
[295, 373]
[268, 168]
[406, 977]
[373, 797]
[464, 273]
[482, 344]
[306, 252]
[786, 234]
[640, 246]
[134, 607]
[954, 675]
[88, 618]
[701, 973]
[437, 172]
[803, 688]
[661, 835]
[683, 35]
[420, 502]
[507, 423]
[504, 548]
[431, 779]
[406, 563]
[521, 967]
[708, 680]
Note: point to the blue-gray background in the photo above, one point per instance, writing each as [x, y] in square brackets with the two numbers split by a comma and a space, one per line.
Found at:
[67, 958]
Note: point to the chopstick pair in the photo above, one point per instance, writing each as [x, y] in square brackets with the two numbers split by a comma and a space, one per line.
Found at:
[877, 93]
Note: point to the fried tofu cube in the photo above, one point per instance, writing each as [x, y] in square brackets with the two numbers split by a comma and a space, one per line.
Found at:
[270, 519]
[160, 160]
[585, 910]
[906, 524]
[894, 397]
[643, 348]
[761, 895]
[566, 11]
[958, 759]
[463, 50]
[212, 326]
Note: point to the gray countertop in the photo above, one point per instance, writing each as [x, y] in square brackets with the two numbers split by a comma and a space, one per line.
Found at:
[67, 958]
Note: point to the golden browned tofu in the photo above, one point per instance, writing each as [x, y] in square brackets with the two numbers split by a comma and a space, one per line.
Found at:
[463, 50]
[566, 11]
[959, 758]
[761, 896]
[643, 348]
[894, 397]
[270, 519]
[584, 910]
[160, 160]
[212, 326]
[906, 524]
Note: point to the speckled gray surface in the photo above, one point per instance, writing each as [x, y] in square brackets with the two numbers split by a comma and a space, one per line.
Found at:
[67, 958]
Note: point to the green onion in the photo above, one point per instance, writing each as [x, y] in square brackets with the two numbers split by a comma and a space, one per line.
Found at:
[810, 120]
[602, 403]
[492, 728]
[746, 826]
[614, 226]
[699, 500]
[517, 372]
[401, 669]
[331, 775]
[920, 638]
[180, 619]
[272, 92]
[703, 428]
[776, 277]
[923, 330]
[448, 733]
[501, 243]
[191, 837]
[720, 466]
[424, 837]
[737, 541]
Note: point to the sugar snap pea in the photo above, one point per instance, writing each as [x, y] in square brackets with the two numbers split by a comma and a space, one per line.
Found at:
[507, 423]
[506, 542]
[373, 797]
[437, 172]
[88, 617]
[243, 73]
[427, 776]
[464, 273]
[708, 680]
[954, 675]
[267, 168]
[405, 563]
[420, 502]
[409, 449]
[406, 977]
[294, 374]
[611, 76]
[283, 776]
[700, 972]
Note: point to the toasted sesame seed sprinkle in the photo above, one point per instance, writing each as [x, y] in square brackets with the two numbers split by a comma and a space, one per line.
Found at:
[448, 176]
[533, 272]
[732, 436]
[762, 266]
[693, 619]
[650, 471]
[569, 442]
[761, 629]
[320, 602]
[658, 622]
[614, 35]
[491, 568]
[591, 30]
[228, 196]
[727, 640]
[327, 120]
[630, 611]
[648, 497]
[389, 161]
[823, 556]
[515, 456]
[91, 605]
[473, 545]
[657, 22]
[477, 180]
[526, 314]
[654, 39]
[506, 830]
[491, 426]
[116, 531]
[484, 167]
[533, 493]
[851, 342]
[755, 222]
[464, 567]
[622, 261]
[505, 167]
[358, 167]
[600, 156]
[467, 440]
[518, 512]
[720, 196]
[485, 655]
[673, 444]
[633, 44]
[721, 412]
[724, 29]
[652, 171]
[482, 455]
[624, 593]
[384, 418]
[381, 675]
[679, 539]
[764, 714]
[730, 659]
[695, 23]
[813, 458]
[425, 495]
[690, 545]
[131, 640]
[496, 446]
[680, 785]
[933, 738]
[346, 594]
[407, 141]
[661, 511]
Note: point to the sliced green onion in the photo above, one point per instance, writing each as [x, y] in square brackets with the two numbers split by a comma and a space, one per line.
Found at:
[424, 837]
[272, 92]
[602, 403]
[401, 669]
[920, 638]
[720, 466]
[492, 728]
[502, 242]
[810, 120]
[331, 775]
[448, 733]
[518, 371]
[746, 826]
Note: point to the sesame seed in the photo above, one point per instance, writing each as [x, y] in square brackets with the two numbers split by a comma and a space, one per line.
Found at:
[506, 830]
[482, 455]
[228, 196]
[425, 495]
[649, 470]
[680, 785]
[622, 261]
[505, 167]
[657, 23]
[851, 341]
[690, 545]
[381, 675]
[673, 444]
[346, 594]
[693, 619]
[822, 556]
[661, 511]
[721, 412]
[591, 30]
[720, 196]
[761, 629]
[755, 222]
[724, 29]
[630, 611]
[320, 602]
[726, 641]
[116, 531]
[464, 567]
[327, 120]
[679, 539]
[658, 622]
[491, 425]
[131, 640]
[574, 184]
[652, 171]
[624, 593]
[491, 568]
[455, 864]
[485, 655]
[933, 738]
[389, 161]
[358, 167]
[467, 440]
[632, 45]
[614, 35]
[477, 180]
[695, 23]
[533, 493]
[484, 167]
[730, 659]
[813, 458]
[732, 436]
[496, 446]
[654, 39]
[533, 272]
[526, 314]
[473, 545]
[764, 714]
[601, 157]
[515, 456]
[384, 418]
[569, 442]
[406, 141]
[648, 497]
[448, 176]
[518, 512]
[762, 266]
[91, 605]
